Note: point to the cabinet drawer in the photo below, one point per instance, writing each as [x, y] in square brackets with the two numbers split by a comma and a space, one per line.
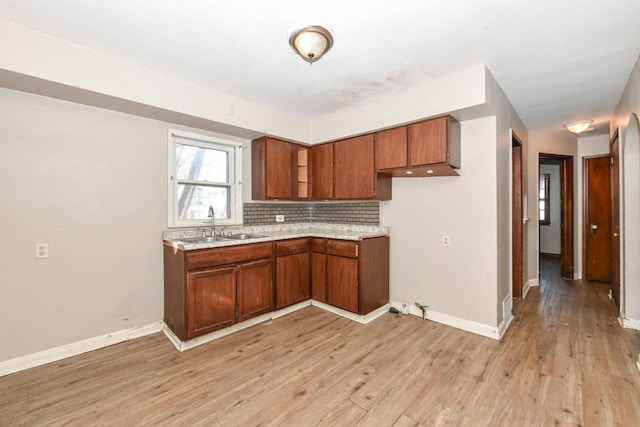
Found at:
[344, 248]
[227, 255]
[318, 245]
[294, 246]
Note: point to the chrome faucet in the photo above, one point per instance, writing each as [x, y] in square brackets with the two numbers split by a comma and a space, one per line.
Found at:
[211, 215]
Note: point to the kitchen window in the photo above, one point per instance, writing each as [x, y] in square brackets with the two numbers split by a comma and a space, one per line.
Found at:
[204, 171]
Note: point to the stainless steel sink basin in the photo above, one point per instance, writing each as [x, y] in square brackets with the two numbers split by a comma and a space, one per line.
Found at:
[242, 236]
[202, 239]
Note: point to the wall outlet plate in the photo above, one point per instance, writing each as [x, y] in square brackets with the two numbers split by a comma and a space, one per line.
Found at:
[404, 308]
[279, 218]
[42, 250]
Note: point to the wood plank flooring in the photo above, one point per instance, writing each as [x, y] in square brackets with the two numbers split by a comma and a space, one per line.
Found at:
[564, 361]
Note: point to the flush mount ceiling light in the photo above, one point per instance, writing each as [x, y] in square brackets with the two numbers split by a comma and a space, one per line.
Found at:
[579, 126]
[311, 42]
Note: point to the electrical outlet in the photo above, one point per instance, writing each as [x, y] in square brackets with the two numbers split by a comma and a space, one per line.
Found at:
[279, 218]
[42, 250]
[446, 241]
[404, 309]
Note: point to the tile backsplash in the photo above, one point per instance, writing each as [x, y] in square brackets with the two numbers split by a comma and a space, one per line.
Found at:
[367, 213]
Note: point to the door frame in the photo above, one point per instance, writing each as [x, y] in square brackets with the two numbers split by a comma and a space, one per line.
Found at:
[585, 207]
[566, 213]
[517, 215]
[616, 250]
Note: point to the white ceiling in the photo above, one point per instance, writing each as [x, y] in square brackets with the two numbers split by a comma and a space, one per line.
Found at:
[557, 61]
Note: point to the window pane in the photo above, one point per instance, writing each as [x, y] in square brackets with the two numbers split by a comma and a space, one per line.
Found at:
[194, 201]
[201, 164]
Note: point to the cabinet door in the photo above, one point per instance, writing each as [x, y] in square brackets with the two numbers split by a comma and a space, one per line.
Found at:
[342, 282]
[428, 142]
[353, 169]
[322, 171]
[292, 279]
[255, 288]
[271, 169]
[319, 276]
[211, 300]
[391, 148]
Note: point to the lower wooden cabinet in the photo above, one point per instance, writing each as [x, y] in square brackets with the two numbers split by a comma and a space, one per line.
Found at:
[353, 275]
[319, 269]
[342, 282]
[292, 272]
[255, 289]
[211, 297]
[210, 289]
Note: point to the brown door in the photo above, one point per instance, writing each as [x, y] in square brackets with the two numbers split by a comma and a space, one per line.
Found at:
[597, 218]
[566, 216]
[517, 219]
[615, 215]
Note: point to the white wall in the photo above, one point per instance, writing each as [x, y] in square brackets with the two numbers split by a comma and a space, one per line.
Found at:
[548, 144]
[550, 234]
[507, 123]
[92, 183]
[459, 280]
[626, 117]
[590, 145]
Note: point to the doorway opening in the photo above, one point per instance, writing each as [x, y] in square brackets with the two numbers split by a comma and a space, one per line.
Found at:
[516, 217]
[555, 204]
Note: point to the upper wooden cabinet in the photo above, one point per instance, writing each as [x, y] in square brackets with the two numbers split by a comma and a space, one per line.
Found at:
[279, 170]
[300, 172]
[391, 152]
[321, 160]
[435, 141]
[406, 150]
[271, 169]
[354, 170]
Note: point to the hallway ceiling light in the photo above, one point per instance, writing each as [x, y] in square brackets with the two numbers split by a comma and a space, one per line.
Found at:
[579, 126]
[311, 42]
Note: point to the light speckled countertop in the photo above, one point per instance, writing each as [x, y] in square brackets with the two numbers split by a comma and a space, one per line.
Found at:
[275, 232]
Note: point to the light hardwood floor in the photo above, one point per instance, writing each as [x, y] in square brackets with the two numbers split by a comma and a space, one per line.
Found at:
[564, 361]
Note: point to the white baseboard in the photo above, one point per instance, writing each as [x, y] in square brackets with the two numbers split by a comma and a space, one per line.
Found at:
[525, 289]
[363, 319]
[533, 282]
[58, 353]
[186, 345]
[504, 326]
[459, 323]
[629, 323]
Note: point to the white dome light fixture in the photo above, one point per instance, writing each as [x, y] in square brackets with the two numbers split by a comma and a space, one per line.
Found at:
[311, 42]
[579, 126]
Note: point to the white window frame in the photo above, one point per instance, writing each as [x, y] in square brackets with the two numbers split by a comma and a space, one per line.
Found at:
[234, 148]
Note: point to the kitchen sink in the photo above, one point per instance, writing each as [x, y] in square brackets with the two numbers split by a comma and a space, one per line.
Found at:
[242, 236]
[203, 239]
